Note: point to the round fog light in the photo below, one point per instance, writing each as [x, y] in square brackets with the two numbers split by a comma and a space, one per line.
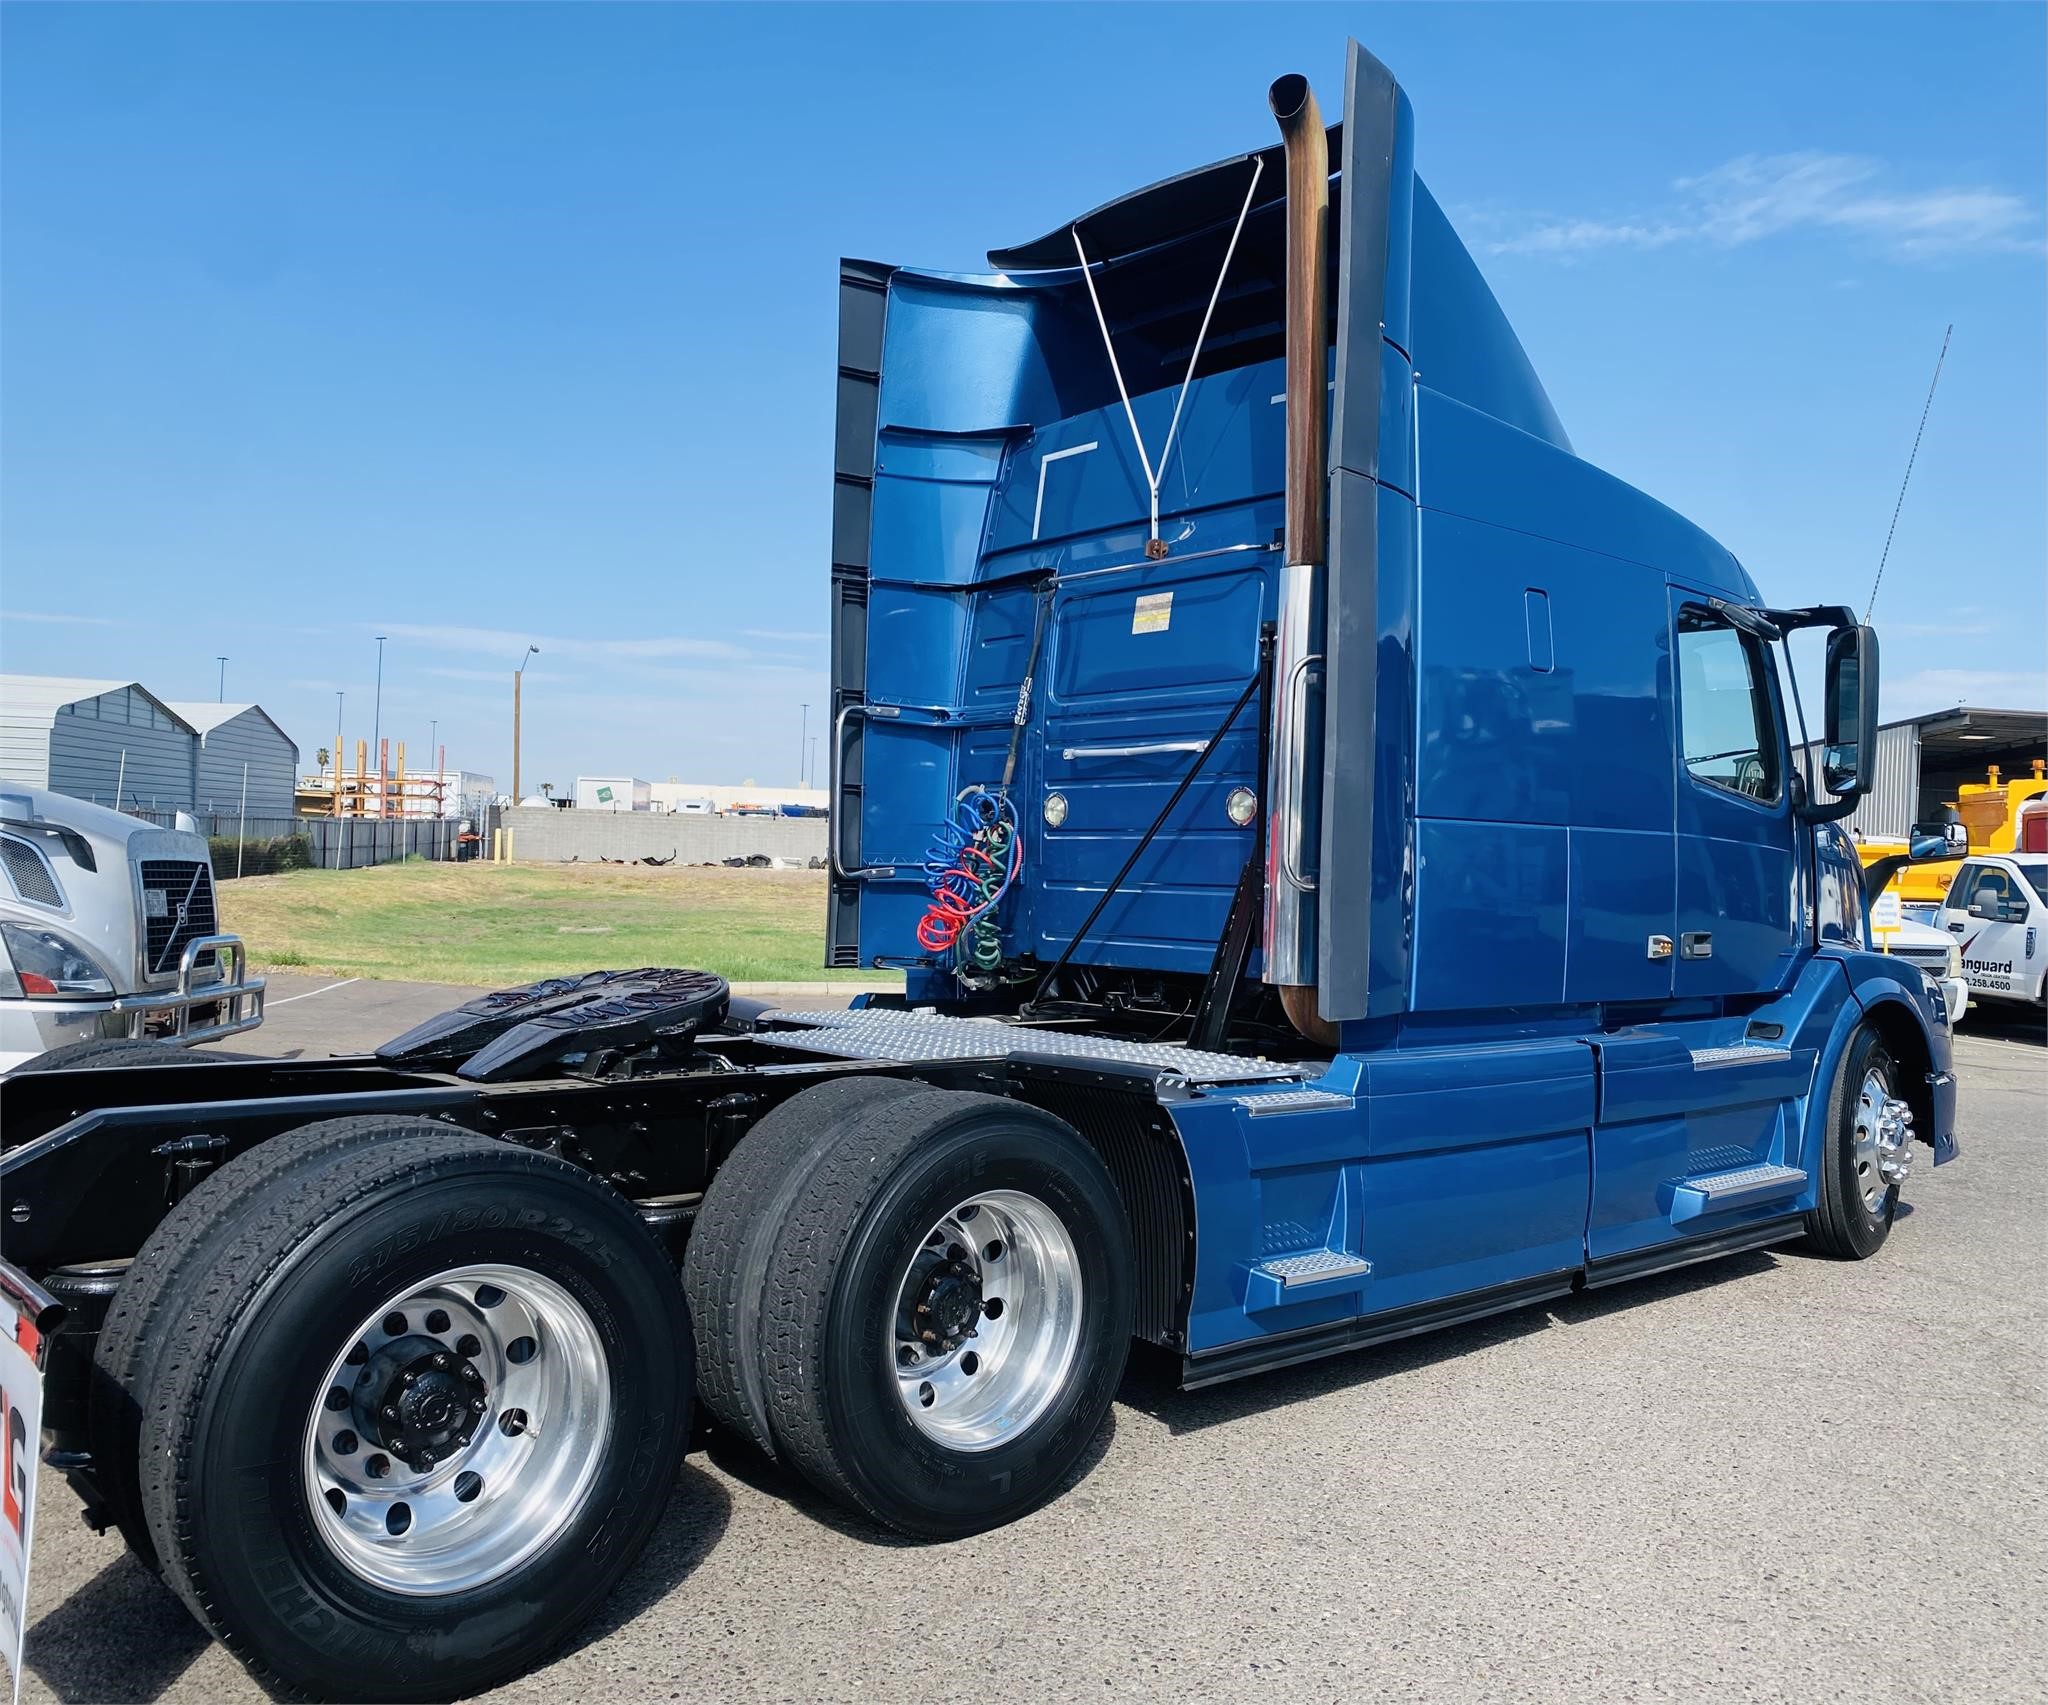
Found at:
[1055, 810]
[1242, 805]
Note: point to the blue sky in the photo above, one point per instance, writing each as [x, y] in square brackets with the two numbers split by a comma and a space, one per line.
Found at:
[480, 327]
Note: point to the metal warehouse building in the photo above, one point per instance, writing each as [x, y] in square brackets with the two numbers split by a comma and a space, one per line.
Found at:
[1922, 759]
[94, 738]
[235, 739]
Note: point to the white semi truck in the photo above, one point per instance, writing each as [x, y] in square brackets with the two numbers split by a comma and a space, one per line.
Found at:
[108, 935]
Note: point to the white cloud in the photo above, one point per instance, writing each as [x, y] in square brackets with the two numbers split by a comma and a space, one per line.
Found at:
[1754, 197]
[1937, 689]
[1937, 630]
[512, 646]
[57, 620]
[534, 677]
[781, 637]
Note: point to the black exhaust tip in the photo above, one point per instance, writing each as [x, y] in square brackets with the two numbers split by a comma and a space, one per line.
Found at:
[1287, 96]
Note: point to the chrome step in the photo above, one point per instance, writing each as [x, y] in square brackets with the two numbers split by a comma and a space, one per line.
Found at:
[1737, 1054]
[1314, 1267]
[1264, 1102]
[1718, 1192]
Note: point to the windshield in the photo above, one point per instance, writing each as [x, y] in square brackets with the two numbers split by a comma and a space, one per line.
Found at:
[2037, 878]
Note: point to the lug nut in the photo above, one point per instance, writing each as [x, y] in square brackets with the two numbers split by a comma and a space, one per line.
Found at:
[441, 1360]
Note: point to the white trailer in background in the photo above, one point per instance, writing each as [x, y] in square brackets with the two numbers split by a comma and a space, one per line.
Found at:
[612, 793]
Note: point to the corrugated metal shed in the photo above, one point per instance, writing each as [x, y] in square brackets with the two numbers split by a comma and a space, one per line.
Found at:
[85, 738]
[1921, 759]
[230, 736]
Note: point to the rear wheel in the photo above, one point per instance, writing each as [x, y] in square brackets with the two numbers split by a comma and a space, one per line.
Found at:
[101, 1052]
[408, 1409]
[1866, 1155]
[948, 1312]
[137, 1324]
[726, 1265]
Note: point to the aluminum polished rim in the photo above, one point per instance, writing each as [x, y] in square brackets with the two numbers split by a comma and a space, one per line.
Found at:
[459, 1431]
[988, 1321]
[1880, 1134]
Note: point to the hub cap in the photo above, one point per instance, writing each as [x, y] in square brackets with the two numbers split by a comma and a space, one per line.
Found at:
[458, 1430]
[1881, 1140]
[988, 1321]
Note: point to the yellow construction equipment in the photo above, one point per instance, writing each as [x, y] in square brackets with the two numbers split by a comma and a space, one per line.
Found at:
[1991, 810]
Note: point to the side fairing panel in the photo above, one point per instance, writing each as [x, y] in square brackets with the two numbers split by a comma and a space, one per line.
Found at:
[1450, 1169]
[1544, 792]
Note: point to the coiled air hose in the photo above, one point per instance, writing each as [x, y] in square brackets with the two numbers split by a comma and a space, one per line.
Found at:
[976, 853]
[972, 860]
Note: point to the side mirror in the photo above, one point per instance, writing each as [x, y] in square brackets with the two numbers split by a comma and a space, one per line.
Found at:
[2013, 912]
[1848, 754]
[1938, 840]
[1849, 749]
[1988, 909]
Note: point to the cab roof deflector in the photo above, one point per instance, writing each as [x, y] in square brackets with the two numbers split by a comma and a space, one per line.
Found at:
[1173, 208]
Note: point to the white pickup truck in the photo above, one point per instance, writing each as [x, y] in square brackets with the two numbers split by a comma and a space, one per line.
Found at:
[1996, 910]
[108, 932]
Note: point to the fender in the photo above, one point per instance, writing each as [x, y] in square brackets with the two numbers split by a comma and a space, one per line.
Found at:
[1896, 999]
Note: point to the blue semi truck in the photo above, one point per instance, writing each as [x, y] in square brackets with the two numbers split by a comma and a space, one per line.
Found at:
[1350, 876]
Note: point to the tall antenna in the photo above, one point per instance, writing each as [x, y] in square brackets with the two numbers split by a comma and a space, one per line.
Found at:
[1896, 507]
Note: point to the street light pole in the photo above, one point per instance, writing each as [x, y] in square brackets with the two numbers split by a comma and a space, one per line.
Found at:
[517, 674]
[223, 662]
[377, 725]
[337, 751]
[803, 744]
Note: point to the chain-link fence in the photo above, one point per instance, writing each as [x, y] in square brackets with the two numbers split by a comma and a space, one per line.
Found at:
[265, 846]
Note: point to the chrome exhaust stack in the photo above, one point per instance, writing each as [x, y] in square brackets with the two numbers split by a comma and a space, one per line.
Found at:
[1293, 820]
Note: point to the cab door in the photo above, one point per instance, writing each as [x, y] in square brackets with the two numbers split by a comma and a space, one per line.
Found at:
[1987, 911]
[1734, 811]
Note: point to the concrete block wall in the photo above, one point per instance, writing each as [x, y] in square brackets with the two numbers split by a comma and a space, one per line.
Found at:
[543, 835]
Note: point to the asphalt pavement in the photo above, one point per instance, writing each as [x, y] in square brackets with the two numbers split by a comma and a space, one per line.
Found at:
[1773, 1477]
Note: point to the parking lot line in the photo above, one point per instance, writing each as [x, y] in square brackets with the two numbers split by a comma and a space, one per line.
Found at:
[310, 993]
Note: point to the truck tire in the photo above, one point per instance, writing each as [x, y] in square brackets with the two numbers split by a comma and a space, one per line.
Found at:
[948, 1312]
[1854, 1214]
[408, 1410]
[101, 1052]
[123, 1355]
[725, 1266]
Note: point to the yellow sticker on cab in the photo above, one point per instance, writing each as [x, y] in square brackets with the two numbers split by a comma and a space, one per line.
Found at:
[1153, 613]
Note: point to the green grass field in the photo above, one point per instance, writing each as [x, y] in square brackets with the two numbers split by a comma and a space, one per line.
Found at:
[499, 924]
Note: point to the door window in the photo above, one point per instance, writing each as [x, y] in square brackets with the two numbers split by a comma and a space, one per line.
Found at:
[1960, 890]
[1991, 890]
[1724, 708]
